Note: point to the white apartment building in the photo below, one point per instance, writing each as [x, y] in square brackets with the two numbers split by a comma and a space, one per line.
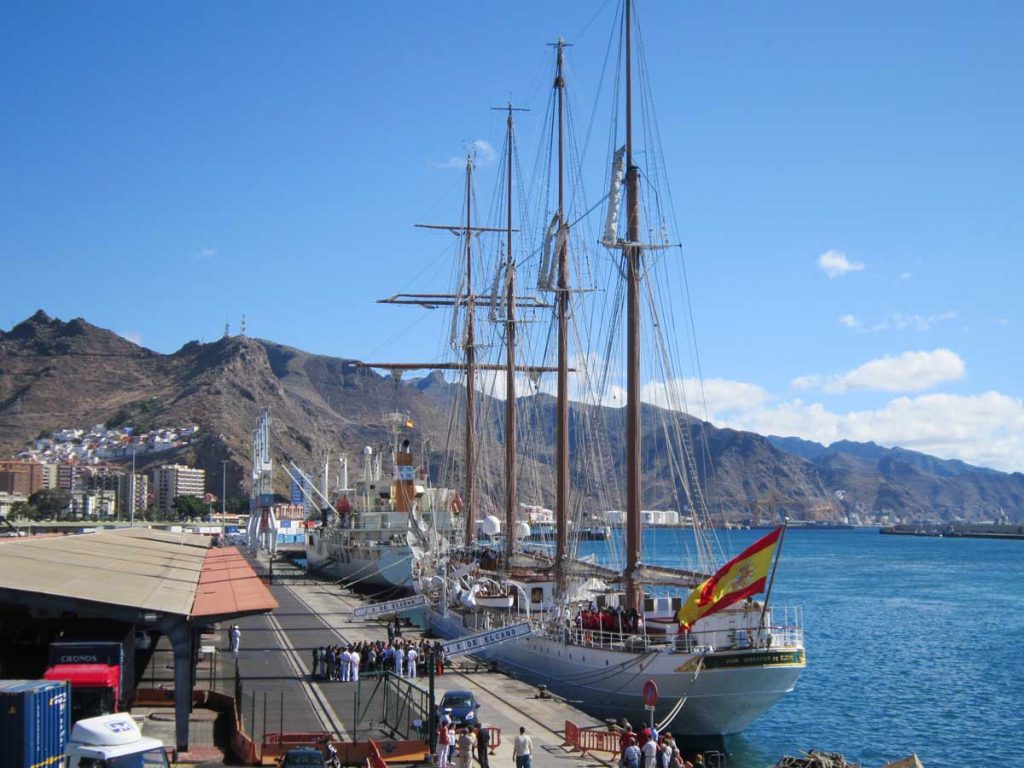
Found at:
[99, 505]
[173, 480]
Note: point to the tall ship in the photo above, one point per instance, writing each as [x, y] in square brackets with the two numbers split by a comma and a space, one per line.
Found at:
[599, 630]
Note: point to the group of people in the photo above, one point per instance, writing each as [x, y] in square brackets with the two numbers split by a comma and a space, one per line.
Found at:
[457, 747]
[407, 658]
[646, 748]
[616, 620]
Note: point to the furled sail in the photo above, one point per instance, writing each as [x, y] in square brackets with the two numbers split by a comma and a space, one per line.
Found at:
[544, 282]
[611, 222]
[492, 313]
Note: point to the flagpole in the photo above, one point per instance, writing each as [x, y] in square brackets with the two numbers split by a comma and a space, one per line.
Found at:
[771, 580]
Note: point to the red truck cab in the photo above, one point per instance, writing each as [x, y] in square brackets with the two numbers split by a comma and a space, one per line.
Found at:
[101, 673]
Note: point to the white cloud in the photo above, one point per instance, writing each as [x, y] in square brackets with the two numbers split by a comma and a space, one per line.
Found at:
[483, 155]
[906, 275]
[836, 264]
[205, 253]
[900, 321]
[849, 321]
[914, 322]
[716, 395]
[985, 429]
[909, 372]
[484, 152]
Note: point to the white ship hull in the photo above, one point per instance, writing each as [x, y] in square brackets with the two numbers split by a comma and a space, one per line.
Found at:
[379, 566]
[728, 692]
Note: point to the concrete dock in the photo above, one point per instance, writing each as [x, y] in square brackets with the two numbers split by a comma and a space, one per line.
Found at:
[279, 693]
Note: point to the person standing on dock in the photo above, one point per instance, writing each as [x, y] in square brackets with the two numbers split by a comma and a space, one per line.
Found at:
[443, 744]
[353, 662]
[235, 637]
[522, 749]
[650, 753]
[438, 658]
[483, 742]
[316, 661]
[466, 744]
[410, 661]
[346, 665]
[399, 656]
[631, 754]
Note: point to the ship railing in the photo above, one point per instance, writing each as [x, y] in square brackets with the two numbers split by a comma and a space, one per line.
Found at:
[608, 640]
[784, 633]
[785, 630]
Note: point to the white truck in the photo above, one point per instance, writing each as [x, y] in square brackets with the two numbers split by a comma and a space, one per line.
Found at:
[113, 741]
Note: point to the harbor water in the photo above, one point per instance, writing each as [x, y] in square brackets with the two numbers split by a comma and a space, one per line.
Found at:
[913, 645]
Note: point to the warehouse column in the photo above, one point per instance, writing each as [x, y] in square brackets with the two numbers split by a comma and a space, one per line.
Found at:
[180, 635]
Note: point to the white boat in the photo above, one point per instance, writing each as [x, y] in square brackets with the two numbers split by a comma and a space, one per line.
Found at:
[715, 677]
[369, 536]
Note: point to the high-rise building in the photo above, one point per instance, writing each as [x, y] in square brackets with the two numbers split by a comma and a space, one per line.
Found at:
[21, 477]
[69, 476]
[125, 486]
[50, 475]
[173, 480]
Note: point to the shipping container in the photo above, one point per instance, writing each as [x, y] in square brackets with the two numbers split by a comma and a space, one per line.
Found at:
[35, 718]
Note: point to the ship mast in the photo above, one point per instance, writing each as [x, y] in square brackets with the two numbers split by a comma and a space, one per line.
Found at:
[633, 252]
[511, 493]
[562, 308]
[470, 365]
[470, 352]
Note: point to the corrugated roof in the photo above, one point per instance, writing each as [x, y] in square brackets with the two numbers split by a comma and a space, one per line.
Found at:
[229, 585]
[136, 568]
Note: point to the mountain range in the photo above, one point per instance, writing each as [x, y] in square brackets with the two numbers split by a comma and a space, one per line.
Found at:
[56, 374]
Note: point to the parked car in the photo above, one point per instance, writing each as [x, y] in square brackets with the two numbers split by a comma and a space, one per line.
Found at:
[303, 757]
[461, 706]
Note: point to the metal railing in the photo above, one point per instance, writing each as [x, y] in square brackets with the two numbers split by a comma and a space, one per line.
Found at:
[392, 703]
[786, 633]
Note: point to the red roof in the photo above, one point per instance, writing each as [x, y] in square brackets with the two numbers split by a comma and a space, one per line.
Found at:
[228, 585]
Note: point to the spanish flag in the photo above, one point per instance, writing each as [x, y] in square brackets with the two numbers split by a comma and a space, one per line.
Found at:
[741, 577]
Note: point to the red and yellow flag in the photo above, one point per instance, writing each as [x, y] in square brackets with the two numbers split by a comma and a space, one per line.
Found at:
[741, 577]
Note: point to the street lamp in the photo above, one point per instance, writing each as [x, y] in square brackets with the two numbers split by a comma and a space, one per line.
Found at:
[223, 488]
[131, 492]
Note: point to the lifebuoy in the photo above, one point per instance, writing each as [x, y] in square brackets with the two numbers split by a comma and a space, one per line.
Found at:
[456, 505]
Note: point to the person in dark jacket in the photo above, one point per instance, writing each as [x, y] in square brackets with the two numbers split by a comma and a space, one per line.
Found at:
[483, 743]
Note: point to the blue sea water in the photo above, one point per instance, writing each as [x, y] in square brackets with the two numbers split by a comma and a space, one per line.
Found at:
[913, 645]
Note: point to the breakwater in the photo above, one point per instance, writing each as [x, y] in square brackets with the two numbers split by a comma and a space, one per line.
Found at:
[957, 530]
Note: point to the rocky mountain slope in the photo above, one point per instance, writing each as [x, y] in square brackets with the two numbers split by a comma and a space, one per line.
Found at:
[56, 374]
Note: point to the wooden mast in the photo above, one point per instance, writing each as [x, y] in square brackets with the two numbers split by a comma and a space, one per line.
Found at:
[511, 494]
[469, 478]
[634, 591]
[562, 308]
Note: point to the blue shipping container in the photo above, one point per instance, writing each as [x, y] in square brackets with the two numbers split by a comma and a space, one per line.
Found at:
[35, 718]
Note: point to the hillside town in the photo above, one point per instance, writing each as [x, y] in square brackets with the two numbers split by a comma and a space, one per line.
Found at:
[87, 474]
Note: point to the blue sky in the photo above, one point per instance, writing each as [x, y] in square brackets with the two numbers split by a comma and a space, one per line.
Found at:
[170, 166]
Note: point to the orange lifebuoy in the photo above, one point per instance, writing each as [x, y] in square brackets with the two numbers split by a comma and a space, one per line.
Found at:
[456, 505]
